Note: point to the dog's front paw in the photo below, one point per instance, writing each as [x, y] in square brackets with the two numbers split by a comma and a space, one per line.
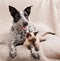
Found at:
[13, 54]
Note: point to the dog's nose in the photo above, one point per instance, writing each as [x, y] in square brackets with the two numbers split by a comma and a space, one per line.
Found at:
[25, 23]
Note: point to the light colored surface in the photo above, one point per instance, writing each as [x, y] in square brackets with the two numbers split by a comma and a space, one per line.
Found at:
[45, 11]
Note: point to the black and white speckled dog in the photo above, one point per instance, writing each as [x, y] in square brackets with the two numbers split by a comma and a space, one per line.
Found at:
[19, 28]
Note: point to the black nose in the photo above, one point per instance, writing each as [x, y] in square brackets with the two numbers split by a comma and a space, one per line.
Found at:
[25, 23]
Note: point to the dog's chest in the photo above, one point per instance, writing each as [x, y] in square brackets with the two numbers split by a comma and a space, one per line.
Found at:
[18, 34]
[21, 36]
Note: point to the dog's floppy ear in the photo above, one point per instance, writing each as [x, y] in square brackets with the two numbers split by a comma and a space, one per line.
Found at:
[35, 33]
[27, 11]
[13, 11]
[28, 35]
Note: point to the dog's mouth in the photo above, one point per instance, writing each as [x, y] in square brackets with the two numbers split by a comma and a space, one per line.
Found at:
[25, 24]
[24, 27]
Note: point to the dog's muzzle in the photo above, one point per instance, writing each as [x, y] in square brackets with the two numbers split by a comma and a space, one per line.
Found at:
[25, 23]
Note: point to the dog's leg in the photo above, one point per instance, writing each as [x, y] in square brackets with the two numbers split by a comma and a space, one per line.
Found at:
[12, 48]
[12, 51]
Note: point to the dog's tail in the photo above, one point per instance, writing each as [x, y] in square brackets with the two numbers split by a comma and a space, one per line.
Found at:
[43, 36]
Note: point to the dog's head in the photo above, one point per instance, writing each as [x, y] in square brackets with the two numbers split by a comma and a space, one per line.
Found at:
[20, 18]
[32, 40]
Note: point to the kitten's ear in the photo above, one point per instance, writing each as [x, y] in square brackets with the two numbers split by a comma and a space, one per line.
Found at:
[35, 33]
[13, 11]
[27, 10]
[28, 35]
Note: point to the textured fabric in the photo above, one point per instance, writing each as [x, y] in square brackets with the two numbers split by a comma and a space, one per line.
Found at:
[45, 15]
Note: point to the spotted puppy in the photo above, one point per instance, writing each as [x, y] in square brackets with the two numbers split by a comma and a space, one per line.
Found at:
[19, 28]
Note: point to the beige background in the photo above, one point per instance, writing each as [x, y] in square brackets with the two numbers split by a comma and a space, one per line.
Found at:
[43, 11]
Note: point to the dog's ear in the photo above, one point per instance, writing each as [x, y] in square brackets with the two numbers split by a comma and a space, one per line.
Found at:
[35, 33]
[27, 11]
[14, 13]
[28, 35]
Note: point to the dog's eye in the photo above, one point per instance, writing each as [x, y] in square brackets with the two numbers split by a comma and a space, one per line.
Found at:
[27, 17]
